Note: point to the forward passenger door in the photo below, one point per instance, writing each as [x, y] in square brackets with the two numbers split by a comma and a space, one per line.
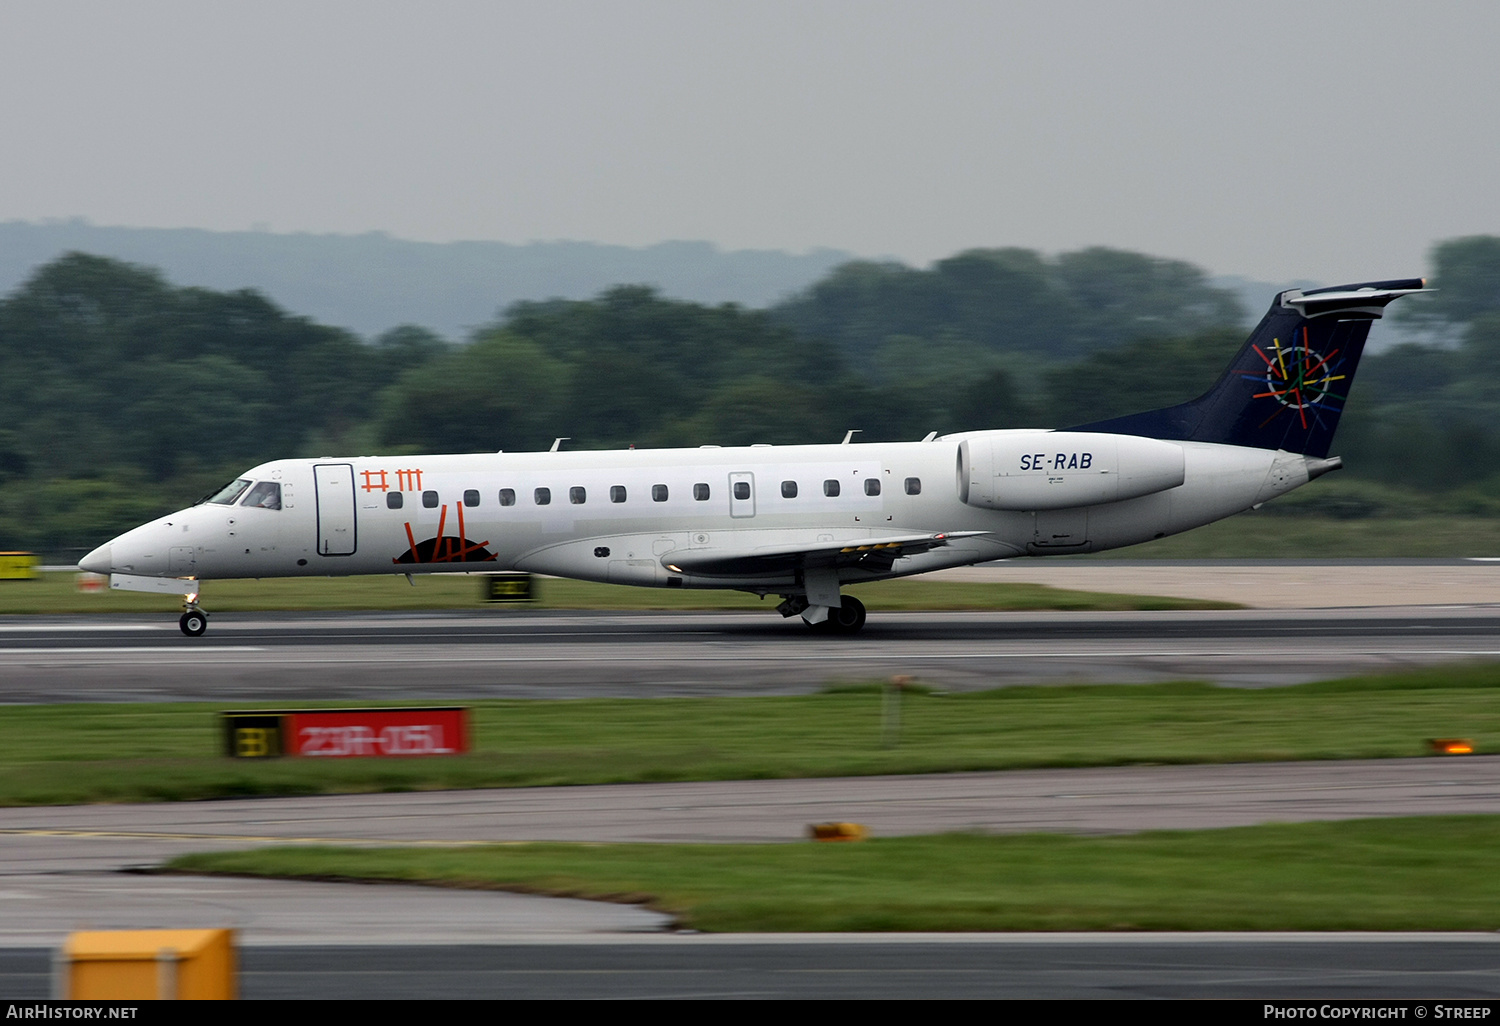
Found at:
[334, 484]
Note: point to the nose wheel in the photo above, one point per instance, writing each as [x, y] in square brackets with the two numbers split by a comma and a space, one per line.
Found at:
[193, 622]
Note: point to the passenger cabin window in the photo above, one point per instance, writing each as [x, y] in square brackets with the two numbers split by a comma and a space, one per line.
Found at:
[543, 496]
[700, 492]
[471, 496]
[394, 500]
[227, 495]
[429, 499]
[616, 493]
[507, 496]
[266, 495]
[914, 486]
[831, 488]
[789, 489]
[577, 495]
[872, 486]
[742, 489]
[658, 493]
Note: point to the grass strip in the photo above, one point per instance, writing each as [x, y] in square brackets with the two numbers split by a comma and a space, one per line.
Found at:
[1269, 533]
[1429, 873]
[61, 754]
[58, 593]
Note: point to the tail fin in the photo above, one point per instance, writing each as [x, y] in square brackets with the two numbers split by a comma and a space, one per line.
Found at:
[1287, 385]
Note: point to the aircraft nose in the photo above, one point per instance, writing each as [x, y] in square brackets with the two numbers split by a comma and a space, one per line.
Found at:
[100, 561]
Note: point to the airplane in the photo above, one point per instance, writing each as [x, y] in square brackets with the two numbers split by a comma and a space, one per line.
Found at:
[797, 521]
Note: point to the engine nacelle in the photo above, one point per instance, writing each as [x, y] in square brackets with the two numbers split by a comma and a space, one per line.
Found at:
[1058, 469]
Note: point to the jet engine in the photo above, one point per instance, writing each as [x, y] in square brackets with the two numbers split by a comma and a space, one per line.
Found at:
[1031, 470]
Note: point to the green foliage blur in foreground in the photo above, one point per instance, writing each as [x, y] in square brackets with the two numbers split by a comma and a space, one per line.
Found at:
[1430, 873]
[57, 593]
[61, 754]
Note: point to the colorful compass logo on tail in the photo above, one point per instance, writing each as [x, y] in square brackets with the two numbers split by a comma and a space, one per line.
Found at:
[1302, 380]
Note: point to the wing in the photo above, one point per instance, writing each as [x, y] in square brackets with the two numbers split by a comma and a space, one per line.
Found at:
[874, 552]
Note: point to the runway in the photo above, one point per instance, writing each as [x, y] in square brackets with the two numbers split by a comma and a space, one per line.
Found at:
[60, 868]
[454, 656]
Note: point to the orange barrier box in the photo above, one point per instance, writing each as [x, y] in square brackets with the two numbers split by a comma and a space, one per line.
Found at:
[143, 965]
[837, 832]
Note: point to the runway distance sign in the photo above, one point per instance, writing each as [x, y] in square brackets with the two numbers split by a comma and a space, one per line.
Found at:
[508, 587]
[18, 566]
[347, 733]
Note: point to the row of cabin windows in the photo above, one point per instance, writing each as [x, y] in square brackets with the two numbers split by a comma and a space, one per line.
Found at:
[577, 495]
[830, 488]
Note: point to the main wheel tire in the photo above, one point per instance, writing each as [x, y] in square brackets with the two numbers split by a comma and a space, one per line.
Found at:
[849, 617]
[193, 623]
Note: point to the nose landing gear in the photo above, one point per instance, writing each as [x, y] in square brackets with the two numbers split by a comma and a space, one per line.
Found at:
[194, 621]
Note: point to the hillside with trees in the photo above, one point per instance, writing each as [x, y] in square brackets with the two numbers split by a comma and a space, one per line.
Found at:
[373, 282]
[125, 395]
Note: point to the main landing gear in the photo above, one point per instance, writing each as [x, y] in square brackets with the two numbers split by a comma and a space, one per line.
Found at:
[194, 621]
[847, 618]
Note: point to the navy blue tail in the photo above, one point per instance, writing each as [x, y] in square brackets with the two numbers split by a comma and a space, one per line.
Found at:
[1287, 385]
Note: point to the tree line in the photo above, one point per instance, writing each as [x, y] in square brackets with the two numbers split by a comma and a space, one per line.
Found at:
[125, 396]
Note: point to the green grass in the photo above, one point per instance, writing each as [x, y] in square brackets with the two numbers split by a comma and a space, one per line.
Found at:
[58, 593]
[1264, 534]
[57, 754]
[1430, 873]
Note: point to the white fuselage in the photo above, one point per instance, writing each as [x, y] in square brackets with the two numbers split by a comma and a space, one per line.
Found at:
[630, 516]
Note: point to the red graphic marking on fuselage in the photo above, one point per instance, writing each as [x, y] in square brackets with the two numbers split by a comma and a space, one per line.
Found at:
[443, 549]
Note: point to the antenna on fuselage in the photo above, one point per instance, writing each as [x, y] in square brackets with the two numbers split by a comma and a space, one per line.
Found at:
[849, 435]
[557, 443]
[930, 436]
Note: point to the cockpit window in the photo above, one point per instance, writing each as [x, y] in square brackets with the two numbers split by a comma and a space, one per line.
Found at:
[266, 495]
[225, 496]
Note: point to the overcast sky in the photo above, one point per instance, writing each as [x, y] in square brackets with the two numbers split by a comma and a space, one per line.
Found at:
[1332, 141]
